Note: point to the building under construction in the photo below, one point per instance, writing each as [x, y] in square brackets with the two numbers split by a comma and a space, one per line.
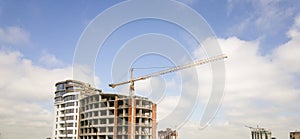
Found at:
[87, 113]
[84, 112]
[260, 133]
[295, 135]
[111, 116]
[168, 134]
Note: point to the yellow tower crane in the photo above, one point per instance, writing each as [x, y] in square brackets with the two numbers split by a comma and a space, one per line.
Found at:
[173, 69]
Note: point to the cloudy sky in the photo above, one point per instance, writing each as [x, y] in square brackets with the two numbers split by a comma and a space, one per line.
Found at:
[38, 40]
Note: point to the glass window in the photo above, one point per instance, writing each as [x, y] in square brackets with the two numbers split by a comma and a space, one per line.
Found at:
[69, 117]
[69, 104]
[60, 87]
[69, 111]
[72, 97]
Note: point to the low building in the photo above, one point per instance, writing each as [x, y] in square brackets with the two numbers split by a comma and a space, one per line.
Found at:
[168, 134]
[295, 135]
[260, 133]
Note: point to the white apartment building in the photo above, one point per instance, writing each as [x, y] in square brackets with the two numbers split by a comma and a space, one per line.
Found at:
[66, 107]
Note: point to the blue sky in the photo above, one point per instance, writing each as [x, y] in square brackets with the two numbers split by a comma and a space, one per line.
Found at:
[44, 20]
[261, 37]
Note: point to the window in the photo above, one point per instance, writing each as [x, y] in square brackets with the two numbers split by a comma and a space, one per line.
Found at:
[59, 93]
[111, 121]
[69, 117]
[102, 129]
[69, 104]
[69, 125]
[111, 112]
[69, 111]
[103, 105]
[103, 113]
[111, 104]
[71, 97]
[70, 131]
[102, 121]
[60, 87]
[110, 129]
[58, 99]
[95, 122]
[96, 105]
[96, 113]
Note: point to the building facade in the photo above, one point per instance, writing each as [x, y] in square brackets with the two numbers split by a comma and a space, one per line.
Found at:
[111, 116]
[66, 107]
[83, 112]
[295, 135]
[260, 133]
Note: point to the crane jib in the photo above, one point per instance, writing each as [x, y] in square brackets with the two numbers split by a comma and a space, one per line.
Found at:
[174, 69]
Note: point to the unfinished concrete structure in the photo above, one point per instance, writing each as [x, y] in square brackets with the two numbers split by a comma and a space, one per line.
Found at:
[295, 135]
[168, 134]
[111, 116]
[260, 133]
[66, 107]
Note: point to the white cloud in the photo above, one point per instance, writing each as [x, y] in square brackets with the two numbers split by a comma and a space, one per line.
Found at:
[14, 35]
[260, 90]
[287, 55]
[50, 60]
[26, 96]
[295, 28]
[265, 17]
[84, 73]
[270, 14]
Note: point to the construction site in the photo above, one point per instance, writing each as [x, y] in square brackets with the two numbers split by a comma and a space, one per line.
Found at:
[84, 112]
